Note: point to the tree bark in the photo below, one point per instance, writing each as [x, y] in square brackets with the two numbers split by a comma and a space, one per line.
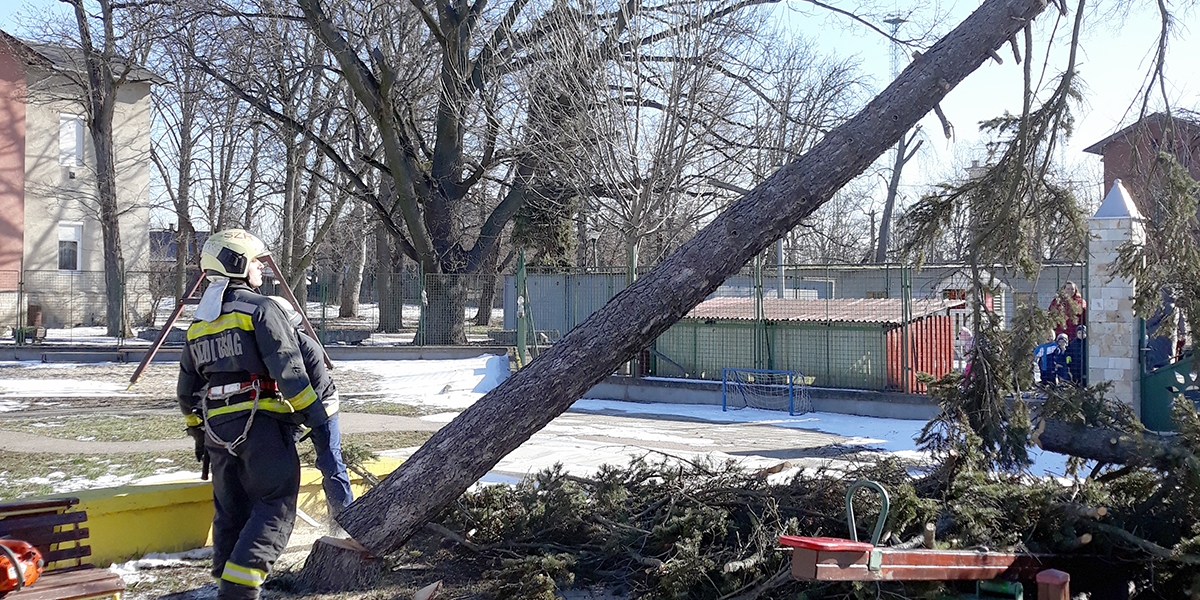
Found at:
[463, 451]
[343, 565]
[352, 284]
[388, 285]
[487, 288]
[1109, 445]
[903, 155]
[100, 101]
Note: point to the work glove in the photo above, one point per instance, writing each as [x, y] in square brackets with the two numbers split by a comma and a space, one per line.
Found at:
[197, 433]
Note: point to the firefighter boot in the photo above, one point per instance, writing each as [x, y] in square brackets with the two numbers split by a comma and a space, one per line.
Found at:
[227, 590]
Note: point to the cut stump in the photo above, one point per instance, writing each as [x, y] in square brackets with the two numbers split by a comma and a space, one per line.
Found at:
[339, 565]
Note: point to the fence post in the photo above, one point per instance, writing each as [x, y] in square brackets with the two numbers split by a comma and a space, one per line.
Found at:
[906, 369]
[19, 335]
[124, 324]
[521, 325]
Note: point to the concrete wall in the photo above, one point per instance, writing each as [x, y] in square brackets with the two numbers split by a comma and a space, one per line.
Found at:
[12, 167]
[56, 194]
[891, 405]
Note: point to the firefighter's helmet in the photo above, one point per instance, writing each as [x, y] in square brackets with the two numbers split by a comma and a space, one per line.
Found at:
[229, 252]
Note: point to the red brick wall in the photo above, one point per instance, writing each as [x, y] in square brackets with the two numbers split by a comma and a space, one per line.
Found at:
[1130, 158]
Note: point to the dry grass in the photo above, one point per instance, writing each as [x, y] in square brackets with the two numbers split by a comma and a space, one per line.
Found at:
[101, 428]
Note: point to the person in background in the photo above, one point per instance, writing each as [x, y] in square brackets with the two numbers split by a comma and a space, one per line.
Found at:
[1069, 310]
[1056, 362]
[968, 344]
[1041, 355]
[326, 437]
[1077, 357]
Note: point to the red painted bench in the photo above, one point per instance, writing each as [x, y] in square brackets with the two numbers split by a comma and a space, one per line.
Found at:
[58, 533]
[836, 559]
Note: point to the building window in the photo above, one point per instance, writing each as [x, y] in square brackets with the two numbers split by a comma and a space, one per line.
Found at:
[70, 140]
[69, 236]
[876, 295]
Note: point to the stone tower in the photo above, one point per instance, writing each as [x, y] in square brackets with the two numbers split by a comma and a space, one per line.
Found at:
[1112, 327]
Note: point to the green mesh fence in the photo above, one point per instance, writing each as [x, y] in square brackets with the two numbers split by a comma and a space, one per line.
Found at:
[817, 320]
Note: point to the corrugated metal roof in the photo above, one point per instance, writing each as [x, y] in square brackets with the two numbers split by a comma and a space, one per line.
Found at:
[840, 310]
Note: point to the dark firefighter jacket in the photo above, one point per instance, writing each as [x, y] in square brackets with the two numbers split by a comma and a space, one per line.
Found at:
[252, 338]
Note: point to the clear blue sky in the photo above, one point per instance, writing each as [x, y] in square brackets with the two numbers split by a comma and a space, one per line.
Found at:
[1115, 57]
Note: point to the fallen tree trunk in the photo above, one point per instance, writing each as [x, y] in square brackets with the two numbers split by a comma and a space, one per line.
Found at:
[1109, 445]
[464, 450]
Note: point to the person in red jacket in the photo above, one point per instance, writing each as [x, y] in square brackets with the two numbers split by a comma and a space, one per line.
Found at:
[1069, 310]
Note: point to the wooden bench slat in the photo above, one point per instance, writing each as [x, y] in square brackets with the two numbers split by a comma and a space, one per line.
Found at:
[900, 565]
[77, 552]
[47, 520]
[89, 583]
[28, 506]
[44, 539]
[68, 535]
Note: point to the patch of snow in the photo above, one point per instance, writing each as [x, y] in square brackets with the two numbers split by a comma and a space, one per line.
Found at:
[63, 388]
[897, 436]
[132, 571]
[12, 405]
[37, 364]
[452, 384]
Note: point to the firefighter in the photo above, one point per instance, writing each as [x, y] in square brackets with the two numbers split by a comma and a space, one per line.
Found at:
[244, 391]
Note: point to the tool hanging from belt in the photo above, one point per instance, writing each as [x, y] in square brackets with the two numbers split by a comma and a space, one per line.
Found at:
[255, 387]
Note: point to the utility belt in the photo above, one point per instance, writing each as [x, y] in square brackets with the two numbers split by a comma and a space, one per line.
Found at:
[257, 394]
[256, 388]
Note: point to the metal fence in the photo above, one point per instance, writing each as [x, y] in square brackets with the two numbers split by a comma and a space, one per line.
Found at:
[812, 319]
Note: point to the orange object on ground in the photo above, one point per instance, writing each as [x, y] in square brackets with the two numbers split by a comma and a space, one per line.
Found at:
[20, 565]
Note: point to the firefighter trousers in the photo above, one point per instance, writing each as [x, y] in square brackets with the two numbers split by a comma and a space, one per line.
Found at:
[254, 494]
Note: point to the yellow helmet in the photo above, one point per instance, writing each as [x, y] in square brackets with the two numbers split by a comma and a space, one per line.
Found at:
[229, 252]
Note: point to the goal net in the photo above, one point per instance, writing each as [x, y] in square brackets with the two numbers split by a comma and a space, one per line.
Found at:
[769, 390]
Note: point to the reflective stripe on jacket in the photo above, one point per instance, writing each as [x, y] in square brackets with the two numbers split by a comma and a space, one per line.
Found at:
[250, 337]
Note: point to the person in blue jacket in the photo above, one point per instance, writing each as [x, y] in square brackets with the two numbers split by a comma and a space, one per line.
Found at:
[326, 437]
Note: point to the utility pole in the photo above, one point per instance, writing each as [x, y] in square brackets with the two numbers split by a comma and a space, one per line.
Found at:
[901, 155]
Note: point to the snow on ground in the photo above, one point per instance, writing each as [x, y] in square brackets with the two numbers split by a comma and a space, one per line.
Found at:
[439, 384]
[450, 386]
[11, 405]
[897, 436]
[134, 571]
[59, 388]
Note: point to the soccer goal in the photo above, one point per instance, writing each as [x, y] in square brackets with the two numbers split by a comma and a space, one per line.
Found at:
[770, 390]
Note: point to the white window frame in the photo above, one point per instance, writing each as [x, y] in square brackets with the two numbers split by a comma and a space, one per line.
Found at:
[70, 140]
[71, 231]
